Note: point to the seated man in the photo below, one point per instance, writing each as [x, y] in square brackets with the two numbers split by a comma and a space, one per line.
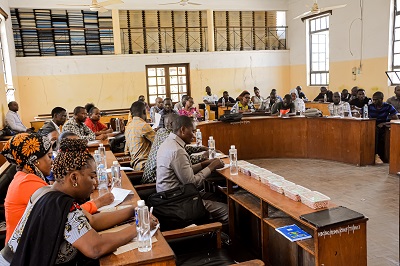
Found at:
[338, 107]
[244, 104]
[139, 136]
[395, 100]
[93, 122]
[77, 125]
[156, 108]
[301, 94]
[257, 98]
[150, 175]
[178, 106]
[142, 99]
[174, 168]
[299, 105]
[270, 101]
[59, 116]
[286, 105]
[321, 95]
[167, 110]
[229, 101]
[383, 112]
[210, 98]
[13, 120]
[361, 99]
[353, 94]
[345, 97]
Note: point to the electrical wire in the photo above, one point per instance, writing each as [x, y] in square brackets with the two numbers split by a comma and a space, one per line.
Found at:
[362, 33]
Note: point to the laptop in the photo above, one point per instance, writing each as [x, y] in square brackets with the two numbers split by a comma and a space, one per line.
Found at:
[331, 216]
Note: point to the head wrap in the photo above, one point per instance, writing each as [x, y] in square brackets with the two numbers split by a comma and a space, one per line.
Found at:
[295, 91]
[72, 155]
[25, 149]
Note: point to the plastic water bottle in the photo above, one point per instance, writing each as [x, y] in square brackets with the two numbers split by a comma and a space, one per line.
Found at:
[365, 112]
[117, 125]
[325, 98]
[206, 115]
[143, 227]
[102, 151]
[102, 180]
[199, 138]
[223, 102]
[97, 158]
[211, 147]
[116, 175]
[233, 160]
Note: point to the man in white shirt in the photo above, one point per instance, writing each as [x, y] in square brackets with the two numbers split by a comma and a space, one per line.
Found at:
[210, 98]
[13, 120]
[339, 108]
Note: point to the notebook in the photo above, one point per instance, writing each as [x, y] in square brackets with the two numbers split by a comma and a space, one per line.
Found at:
[293, 232]
[331, 216]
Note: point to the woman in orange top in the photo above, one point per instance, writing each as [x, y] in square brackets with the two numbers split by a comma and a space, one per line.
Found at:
[32, 154]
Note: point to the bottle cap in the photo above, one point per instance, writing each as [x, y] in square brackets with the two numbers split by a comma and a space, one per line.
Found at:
[101, 145]
[198, 130]
[211, 137]
[115, 162]
[101, 165]
[140, 203]
[232, 146]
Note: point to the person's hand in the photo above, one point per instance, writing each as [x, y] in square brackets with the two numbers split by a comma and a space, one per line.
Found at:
[104, 200]
[153, 221]
[216, 164]
[102, 137]
[205, 155]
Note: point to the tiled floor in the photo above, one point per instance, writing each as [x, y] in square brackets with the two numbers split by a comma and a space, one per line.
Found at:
[369, 190]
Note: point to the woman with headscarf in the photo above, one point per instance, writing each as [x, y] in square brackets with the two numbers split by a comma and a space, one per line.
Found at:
[54, 228]
[299, 105]
[32, 154]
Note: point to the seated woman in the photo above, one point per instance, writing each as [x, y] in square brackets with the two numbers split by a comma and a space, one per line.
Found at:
[32, 154]
[55, 219]
[93, 122]
[189, 110]
[299, 105]
[244, 104]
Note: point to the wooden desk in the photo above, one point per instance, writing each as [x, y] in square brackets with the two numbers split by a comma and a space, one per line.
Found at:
[94, 145]
[339, 139]
[345, 248]
[323, 107]
[221, 110]
[394, 163]
[161, 253]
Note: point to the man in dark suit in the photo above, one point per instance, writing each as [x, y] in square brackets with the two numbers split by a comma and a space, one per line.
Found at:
[59, 116]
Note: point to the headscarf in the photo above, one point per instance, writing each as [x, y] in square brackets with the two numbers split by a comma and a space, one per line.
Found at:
[25, 149]
[72, 155]
[295, 91]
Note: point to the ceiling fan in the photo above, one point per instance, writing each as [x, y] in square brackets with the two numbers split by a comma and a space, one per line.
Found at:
[182, 3]
[98, 6]
[315, 9]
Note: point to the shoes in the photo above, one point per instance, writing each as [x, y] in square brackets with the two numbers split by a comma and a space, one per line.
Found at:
[378, 159]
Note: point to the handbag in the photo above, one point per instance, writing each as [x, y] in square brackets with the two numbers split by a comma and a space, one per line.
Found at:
[231, 117]
[178, 207]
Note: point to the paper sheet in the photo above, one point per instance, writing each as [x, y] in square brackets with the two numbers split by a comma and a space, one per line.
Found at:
[157, 117]
[119, 196]
[92, 142]
[122, 168]
[133, 244]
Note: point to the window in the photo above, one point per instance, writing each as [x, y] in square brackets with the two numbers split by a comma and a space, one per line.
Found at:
[5, 61]
[319, 51]
[167, 81]
[396, 36]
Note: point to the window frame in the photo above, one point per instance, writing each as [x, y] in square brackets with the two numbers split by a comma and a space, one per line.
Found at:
[311, 33]
[396, 15]
[167, 81]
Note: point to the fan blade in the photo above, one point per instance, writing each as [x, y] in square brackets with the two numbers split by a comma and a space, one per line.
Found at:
[333, 7]
[110, 2]
[70, 5]
[170, 3]
[196, 4]
[102, 9]
[302, 15]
